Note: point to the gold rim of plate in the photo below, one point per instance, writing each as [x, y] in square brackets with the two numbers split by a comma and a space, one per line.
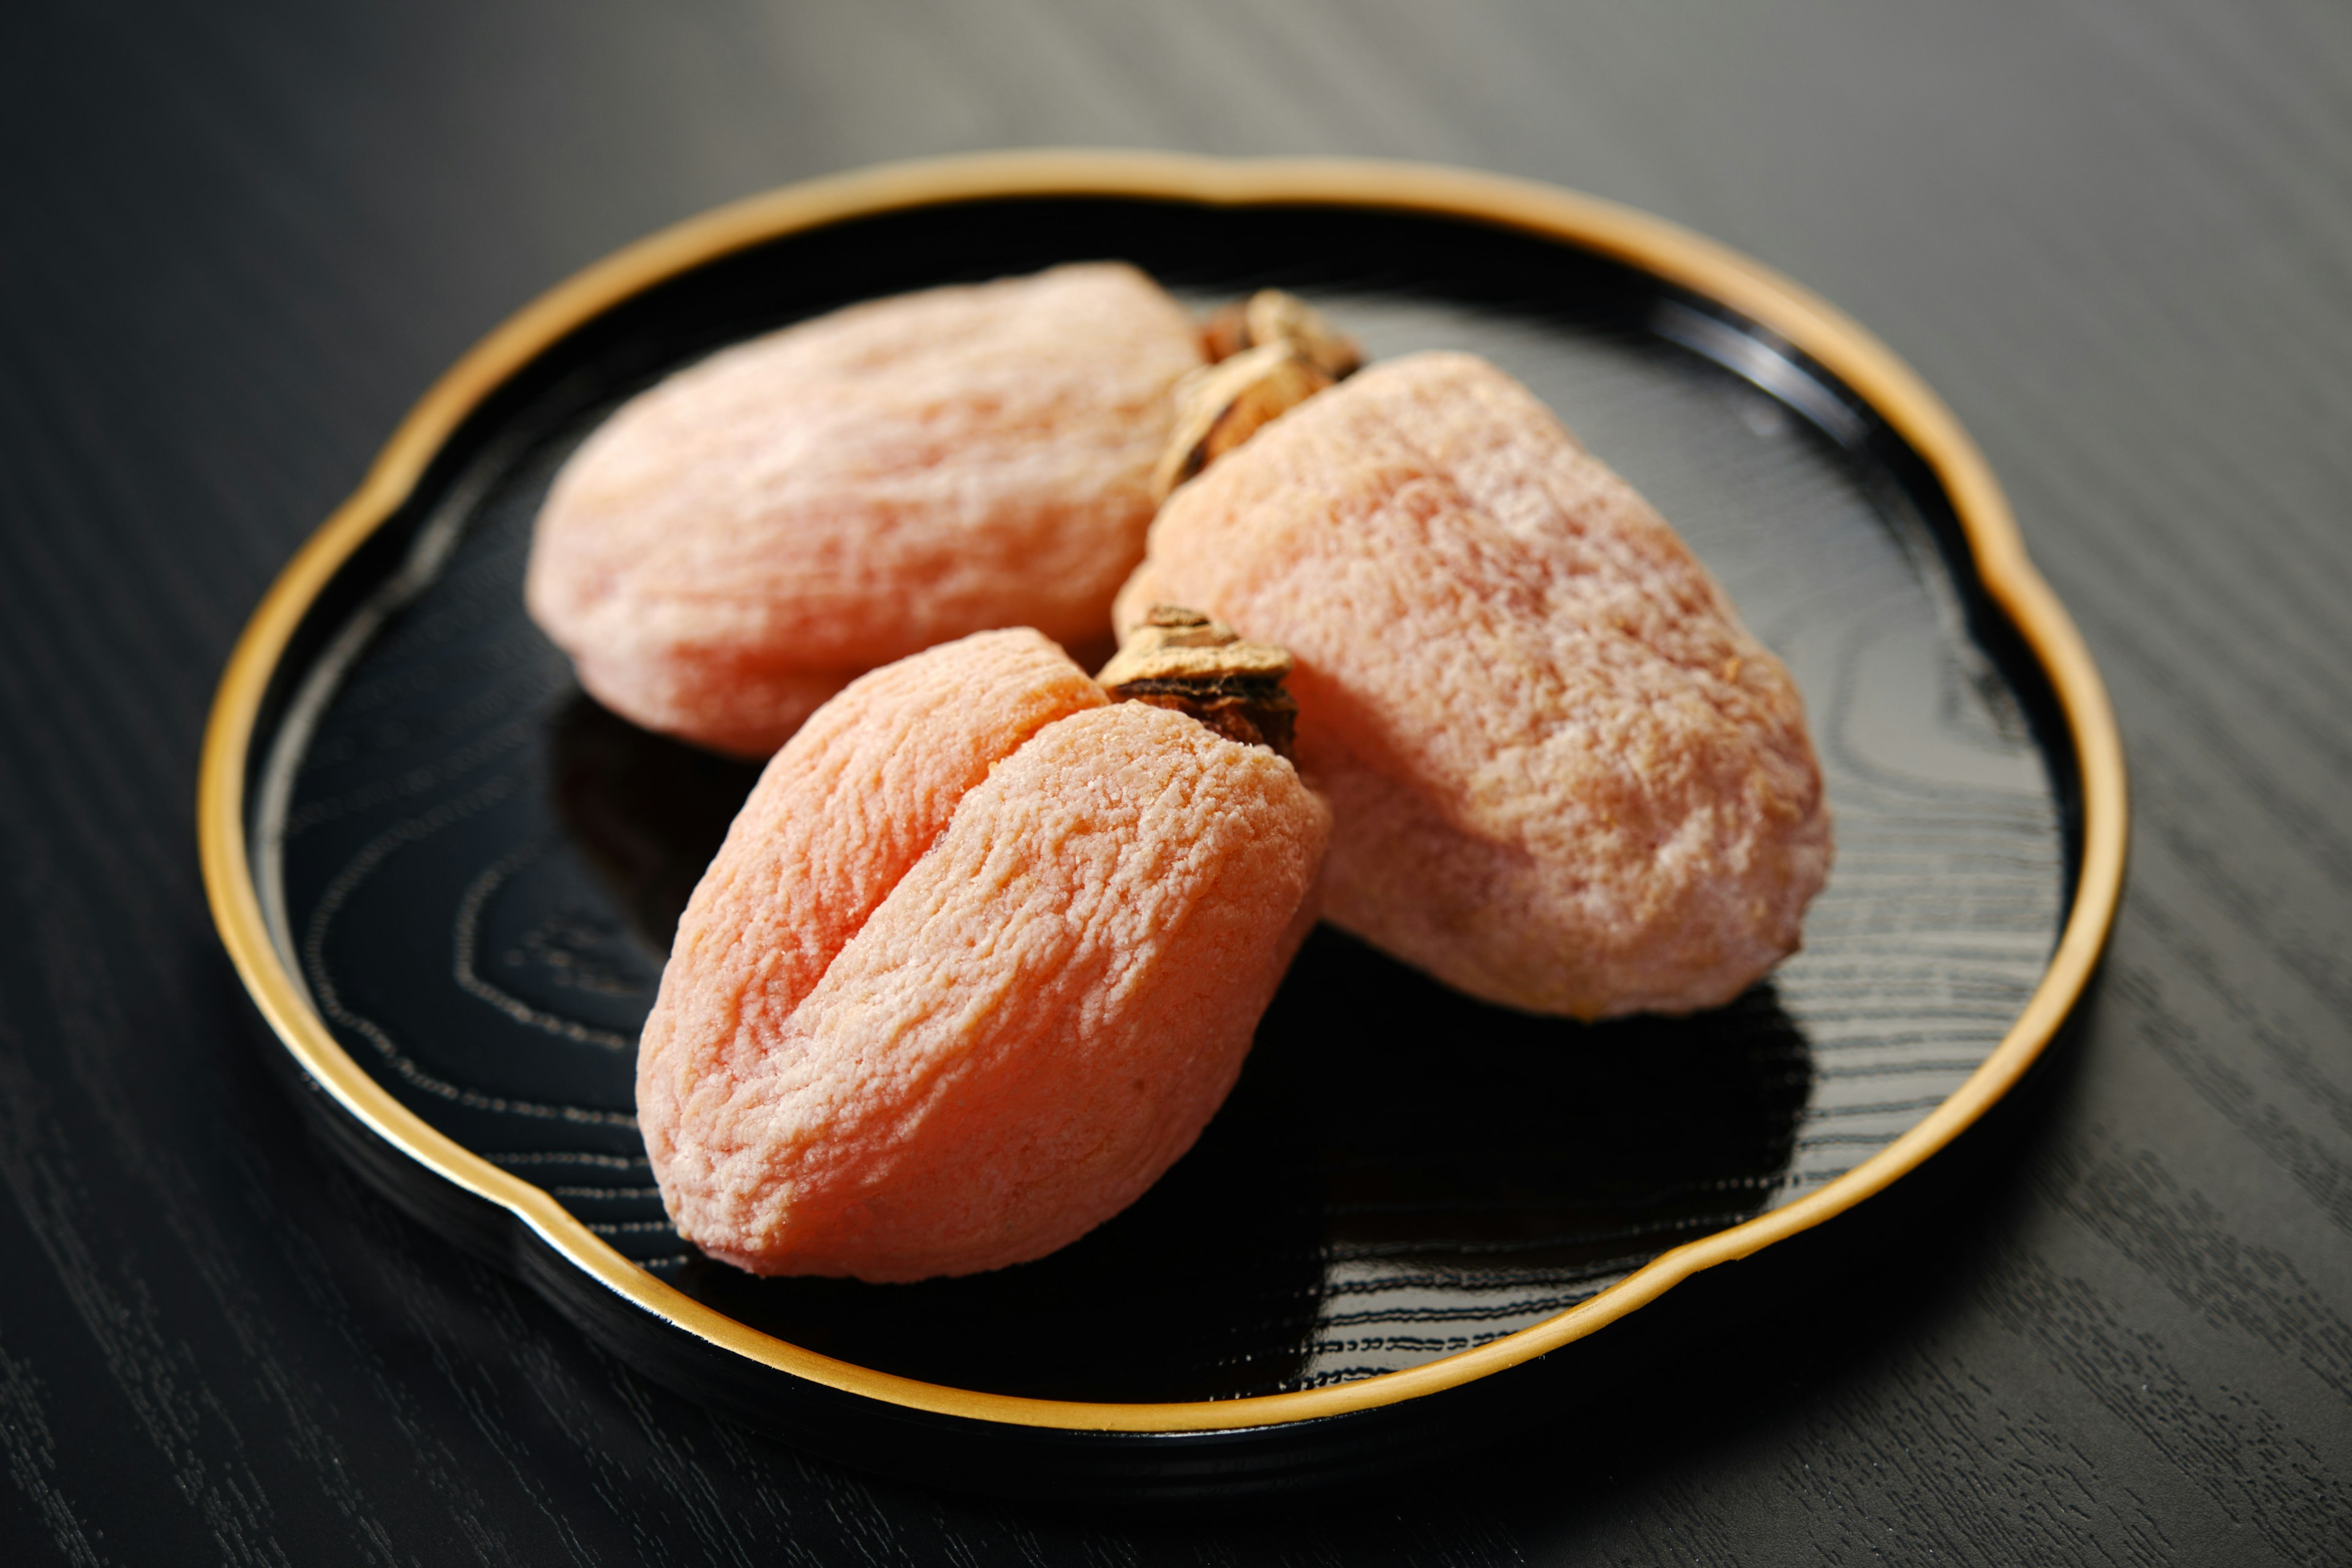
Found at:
[1652, 244]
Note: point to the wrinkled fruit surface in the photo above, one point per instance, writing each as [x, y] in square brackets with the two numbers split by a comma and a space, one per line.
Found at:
[732, 547]
[980, 956]
[1564, 777]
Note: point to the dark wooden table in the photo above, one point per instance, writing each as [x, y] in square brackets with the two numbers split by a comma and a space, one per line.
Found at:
[2115, 234]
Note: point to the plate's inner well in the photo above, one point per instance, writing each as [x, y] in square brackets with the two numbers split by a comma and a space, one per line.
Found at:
[476, 871]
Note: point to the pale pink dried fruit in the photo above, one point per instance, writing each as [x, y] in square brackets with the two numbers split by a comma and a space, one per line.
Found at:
[732, 547]
[1564, 777]
[980, 958]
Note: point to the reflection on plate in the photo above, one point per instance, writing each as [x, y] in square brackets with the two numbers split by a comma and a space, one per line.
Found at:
[468, 875]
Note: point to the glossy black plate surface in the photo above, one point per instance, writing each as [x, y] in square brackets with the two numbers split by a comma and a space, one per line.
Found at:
[474, 870]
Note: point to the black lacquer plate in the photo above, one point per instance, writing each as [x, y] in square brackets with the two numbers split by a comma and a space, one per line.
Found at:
[470, 873]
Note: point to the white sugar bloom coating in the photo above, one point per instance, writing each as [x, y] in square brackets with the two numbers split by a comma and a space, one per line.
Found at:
[733, 546]
[1563, 776]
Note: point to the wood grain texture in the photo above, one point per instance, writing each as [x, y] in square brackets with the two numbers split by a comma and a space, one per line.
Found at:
[2116, 237]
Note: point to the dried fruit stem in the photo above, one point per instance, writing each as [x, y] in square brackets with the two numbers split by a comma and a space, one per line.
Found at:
[1199, 665]
[1273, 351]
[1223, 406]
[1271, 316]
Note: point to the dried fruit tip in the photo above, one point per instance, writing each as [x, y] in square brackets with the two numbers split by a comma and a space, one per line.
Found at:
[1271, 316]
[1199, 665]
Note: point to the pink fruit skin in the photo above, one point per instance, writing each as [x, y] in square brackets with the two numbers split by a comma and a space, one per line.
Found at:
[732, 547]
[1564, 778]
[978, 960]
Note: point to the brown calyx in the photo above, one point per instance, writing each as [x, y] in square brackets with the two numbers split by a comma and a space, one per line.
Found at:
[1199, 665]
[1223, 405]
[1272, 352]
[1271, 316]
